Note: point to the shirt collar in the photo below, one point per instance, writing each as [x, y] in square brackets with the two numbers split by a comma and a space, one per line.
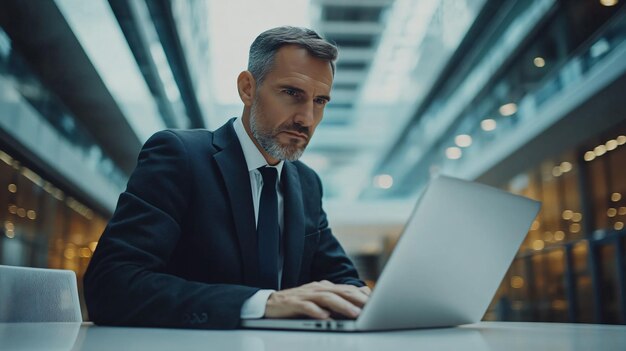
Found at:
[254, 158]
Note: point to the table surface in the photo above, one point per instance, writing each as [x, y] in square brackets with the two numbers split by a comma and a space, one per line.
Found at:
[482, 336]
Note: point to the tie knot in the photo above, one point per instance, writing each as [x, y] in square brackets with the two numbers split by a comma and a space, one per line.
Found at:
[269, 174]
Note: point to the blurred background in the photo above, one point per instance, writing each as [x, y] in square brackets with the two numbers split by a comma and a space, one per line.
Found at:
[528, 96]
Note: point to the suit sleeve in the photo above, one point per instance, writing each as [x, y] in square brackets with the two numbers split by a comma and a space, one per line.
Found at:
[330, 261]
[126, 282]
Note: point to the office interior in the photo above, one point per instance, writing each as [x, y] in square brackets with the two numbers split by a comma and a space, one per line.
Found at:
[527, 96]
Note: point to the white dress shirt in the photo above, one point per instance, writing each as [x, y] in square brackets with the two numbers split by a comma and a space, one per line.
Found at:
[254, 307]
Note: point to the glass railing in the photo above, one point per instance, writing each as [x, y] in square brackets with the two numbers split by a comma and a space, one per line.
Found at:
[530, 97]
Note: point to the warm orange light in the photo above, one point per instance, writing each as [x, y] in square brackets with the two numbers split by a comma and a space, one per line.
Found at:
[568, 214]
[12, 188]
[600, 150]
[559, 235]
[608, 3]
[539, 62]
[548, 236]
[69, 253]
[31, 214]
[611, 145]
[574, 228]
[589, 156]
[517, 282]
[84, 252]
[615, 197]
[538, 245]
[535, 225]
[566, 167]
[611, 212]
[577, 217]
[618, 225]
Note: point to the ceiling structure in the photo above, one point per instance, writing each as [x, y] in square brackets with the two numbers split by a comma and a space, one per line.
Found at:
[391, 52]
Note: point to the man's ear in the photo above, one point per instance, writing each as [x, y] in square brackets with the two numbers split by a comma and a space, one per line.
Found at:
[246, 86]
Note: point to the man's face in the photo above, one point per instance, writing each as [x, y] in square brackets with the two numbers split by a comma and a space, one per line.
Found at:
[290, 102]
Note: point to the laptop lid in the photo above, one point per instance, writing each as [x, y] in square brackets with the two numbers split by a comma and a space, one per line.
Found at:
[453, 254]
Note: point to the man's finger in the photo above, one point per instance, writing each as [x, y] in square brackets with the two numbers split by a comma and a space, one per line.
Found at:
[312, 310]
[335, 303]
[355, 297]
[350, 293]
[366, 290]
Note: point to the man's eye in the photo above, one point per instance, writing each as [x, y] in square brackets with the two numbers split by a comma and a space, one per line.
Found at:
[290, 92]
[321, 101]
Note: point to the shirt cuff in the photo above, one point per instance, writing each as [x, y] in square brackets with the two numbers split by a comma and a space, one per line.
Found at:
[254, 307]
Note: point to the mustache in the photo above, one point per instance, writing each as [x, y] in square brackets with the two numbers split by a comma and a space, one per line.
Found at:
[295, 128]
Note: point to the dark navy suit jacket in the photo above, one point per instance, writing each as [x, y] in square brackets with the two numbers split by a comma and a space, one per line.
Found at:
[181, 247]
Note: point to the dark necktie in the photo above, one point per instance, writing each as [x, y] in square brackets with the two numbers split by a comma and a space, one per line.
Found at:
[268, 230]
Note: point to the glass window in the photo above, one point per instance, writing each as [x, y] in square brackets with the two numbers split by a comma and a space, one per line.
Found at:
[608, 281]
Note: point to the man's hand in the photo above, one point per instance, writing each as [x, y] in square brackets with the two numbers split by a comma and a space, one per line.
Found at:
[317, 300]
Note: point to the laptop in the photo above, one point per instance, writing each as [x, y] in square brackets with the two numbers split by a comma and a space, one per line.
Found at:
[455, 250]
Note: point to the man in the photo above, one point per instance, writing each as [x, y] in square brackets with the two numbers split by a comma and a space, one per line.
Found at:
[218, 226]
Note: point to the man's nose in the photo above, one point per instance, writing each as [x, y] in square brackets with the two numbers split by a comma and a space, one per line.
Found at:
[305, 115]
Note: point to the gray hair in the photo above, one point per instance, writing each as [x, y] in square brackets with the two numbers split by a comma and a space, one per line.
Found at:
[265, 46]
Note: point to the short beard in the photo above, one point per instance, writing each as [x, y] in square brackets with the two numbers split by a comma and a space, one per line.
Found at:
[265, 138]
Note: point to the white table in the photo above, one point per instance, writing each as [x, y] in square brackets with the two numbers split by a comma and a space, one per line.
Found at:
[483, 336]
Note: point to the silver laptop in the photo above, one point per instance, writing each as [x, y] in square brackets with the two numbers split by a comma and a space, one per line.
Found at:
[447, 265]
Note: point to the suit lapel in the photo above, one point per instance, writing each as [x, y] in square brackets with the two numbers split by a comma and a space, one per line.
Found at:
[293, 233]
[232, 165]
